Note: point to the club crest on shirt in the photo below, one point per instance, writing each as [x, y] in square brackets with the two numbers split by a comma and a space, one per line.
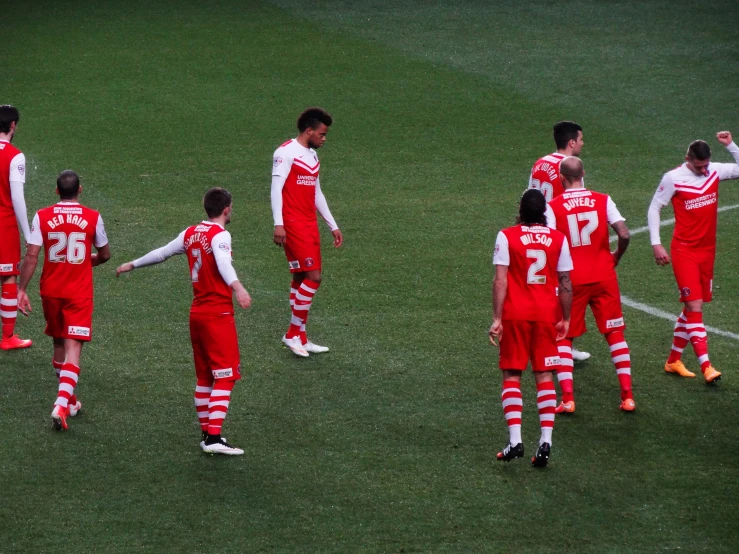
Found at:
[22, 169]
[685, 291]
[223, 246]
[278, 160]
[309, 262]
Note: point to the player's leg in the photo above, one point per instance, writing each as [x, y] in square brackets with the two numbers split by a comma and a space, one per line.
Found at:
[9, 312]
[565, 372]
[694, 315]
[224, 364]
[687, 276]
[514, 358]
[57, 362]
[606, 306]
[68, 378]
[203, 374]
[544, 360]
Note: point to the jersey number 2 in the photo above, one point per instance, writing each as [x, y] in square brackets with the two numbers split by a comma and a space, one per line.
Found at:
[74, 243]
[581, 237]
[540, 260]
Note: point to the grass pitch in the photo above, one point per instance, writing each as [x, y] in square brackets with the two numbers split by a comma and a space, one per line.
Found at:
[387, 443]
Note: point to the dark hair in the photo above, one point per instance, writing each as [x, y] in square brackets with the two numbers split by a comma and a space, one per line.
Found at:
[533, 208]
[68, 184]
[699, 150]
[8, 114]
[312, 118]
[216, 200]
[564, 132]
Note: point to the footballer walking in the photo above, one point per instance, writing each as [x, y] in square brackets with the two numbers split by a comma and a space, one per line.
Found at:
[67, 231]
[692, 188]
[215, 344]
[530, 260]
[12, 214]
[296, 195]
[584, 217]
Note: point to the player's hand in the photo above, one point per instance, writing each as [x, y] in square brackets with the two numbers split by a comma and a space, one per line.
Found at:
[280, 235]
[563, 328]
[616, 258]
[496, 331]
[660, 255]
[243, 298]
[724, 137]
[338, 238]
[24, 303]
[123, 268]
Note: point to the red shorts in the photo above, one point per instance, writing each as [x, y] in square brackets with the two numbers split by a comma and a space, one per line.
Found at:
[694, 273]
[604, 298]
[522, 341]
[68, 318]
[10, 249]
[215, 347]
[303, 247]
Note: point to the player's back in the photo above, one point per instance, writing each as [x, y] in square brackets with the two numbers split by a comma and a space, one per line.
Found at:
[68, 231]
[9, 155]
[300, 167]
[545, 176]
[534, 253]
[583, 216]
[211, 294]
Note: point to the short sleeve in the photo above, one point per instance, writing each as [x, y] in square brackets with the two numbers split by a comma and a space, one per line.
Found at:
[665, 191]
[565, 260]
[36, 238]
[101, 238]
[501, 256]
[18, 169]
[281, 163]
[551, 218]
[614, 216]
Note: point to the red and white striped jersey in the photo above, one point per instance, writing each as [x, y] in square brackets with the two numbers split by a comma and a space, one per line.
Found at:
[695, 201]
[300, 167]
[203, 243]
[545, 176]
[12, 168]
[584, 216]
[533, 255]
[67, 231]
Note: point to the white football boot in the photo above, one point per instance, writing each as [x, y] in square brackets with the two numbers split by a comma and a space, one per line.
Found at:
[312, 348]
[296, 346]
[579, 356]
[74, 409]
[222, 448]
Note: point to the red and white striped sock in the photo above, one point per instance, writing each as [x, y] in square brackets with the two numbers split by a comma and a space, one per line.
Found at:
[58, 370]
[203, 389]
[621, 359]
[546, 399]
[680, 339]
[303, 301]
[68, 377]
[698, 338]
[220, 398]
[9, 308]
[564, 373]
[293, 289]
[512, 408]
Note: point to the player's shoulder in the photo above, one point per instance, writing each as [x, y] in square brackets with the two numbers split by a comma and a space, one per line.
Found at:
[286, 147]
[9, 149]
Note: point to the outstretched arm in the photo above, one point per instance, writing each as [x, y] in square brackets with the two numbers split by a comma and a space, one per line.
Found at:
[157, 256]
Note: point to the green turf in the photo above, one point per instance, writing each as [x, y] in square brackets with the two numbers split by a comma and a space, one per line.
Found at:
[387, 443]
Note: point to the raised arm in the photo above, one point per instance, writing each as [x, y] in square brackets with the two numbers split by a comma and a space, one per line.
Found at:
[728, 171]
[157, 256]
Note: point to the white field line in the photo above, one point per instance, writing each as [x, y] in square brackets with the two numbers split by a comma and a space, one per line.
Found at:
[662, 314]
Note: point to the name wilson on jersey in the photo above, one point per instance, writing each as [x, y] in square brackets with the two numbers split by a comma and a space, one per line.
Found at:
[536, 236]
